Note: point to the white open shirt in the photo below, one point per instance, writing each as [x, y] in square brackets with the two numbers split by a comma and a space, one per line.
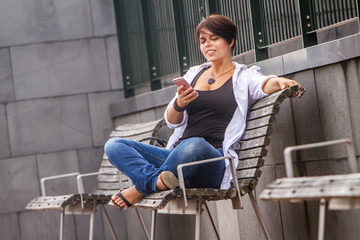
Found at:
[247, 87]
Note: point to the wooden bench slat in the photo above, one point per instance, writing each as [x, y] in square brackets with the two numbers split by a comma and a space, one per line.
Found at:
[137, 126]
[248, 173]
[314, 187]
[260, 122]
[254, 143]
[250, 163]
[257, 132]
[317, 181]
[51, 202]
[253, 153]
[275, 98]
[262, 112]
[130, 134]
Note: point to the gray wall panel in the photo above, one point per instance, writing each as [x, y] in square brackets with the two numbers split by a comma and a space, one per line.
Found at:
[283, 134]
[31, 21]
[114, 62]
[333, 106]
[6, 83]
[51, 164]
[352, 78]
[293, 215]
[4, 136]
[9, 226]
[101, 122]
[47, 125]
[103, 17]
[270, 210]
[45, 225]
[89, 161]
[19, 183]
[308, 126]
[60, 68]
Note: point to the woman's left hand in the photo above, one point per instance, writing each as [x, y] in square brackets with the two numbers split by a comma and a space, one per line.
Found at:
[275, 84]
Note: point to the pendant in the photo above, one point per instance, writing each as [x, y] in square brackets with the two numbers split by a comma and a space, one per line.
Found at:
[211, 81]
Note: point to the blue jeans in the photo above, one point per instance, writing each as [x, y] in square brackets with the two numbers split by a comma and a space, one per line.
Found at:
[143, 163]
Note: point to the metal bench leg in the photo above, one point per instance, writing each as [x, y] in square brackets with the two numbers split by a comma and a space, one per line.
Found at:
[322, 212]
[212, 221]
[258, 215]
[197, 221]
[153, 223]
[106, 215]
[62, 215]
[92, 219]
[142, 223]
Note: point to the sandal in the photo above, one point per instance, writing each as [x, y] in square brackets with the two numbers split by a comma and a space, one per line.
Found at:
[119, 194]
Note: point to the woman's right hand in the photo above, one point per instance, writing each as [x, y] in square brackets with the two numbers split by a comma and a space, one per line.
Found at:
[183, 99]
[185, 96]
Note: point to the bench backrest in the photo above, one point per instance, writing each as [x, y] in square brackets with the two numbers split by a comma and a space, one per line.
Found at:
[109, 183]
[261, 117]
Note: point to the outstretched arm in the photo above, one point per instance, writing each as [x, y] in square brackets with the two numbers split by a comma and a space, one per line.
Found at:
[275, 84]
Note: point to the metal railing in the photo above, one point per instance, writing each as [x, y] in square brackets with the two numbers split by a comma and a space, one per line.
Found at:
[156, 37]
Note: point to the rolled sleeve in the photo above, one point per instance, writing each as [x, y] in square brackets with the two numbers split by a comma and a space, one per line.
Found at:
[256, 82]
[169, 124]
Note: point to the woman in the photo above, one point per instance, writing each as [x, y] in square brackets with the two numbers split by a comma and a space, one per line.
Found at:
[209, 118]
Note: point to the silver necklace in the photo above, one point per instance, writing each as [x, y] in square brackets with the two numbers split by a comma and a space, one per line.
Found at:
[212, 79]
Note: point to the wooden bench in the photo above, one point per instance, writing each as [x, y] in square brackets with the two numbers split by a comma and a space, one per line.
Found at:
[261, 117]
[335, 192]
[109, 181]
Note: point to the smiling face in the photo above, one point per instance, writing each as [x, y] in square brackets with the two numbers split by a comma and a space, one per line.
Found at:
[213, 47]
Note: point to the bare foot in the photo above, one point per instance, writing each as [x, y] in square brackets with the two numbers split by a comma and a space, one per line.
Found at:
[131, 195]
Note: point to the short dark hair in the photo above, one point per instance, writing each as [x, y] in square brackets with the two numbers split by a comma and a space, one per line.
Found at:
[219, 25]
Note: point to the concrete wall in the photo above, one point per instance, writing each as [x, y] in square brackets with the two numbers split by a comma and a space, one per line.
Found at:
[59, 70]
[329, 110]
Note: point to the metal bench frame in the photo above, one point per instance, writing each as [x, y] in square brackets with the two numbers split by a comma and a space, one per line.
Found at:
[274, 191]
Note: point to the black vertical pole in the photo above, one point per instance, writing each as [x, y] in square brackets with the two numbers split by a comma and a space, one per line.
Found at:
[155, 81]
[181, 36]
[307, 19]
[124, 50]
[257, 20]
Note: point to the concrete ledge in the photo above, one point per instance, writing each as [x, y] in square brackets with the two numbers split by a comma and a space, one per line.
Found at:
[307, 58]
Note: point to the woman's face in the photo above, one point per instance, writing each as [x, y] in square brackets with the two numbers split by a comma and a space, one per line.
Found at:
[213, 47]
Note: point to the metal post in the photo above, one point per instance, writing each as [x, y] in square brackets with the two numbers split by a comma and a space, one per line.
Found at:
[108, 221]
[124, 50]
[358, 11]
[181, 36]
[322, 212]
[212, 221]
[307, 20]
[142, 223]
[92, 219]
[259, 32]
[62, 215]
[155, 81]
[258, 215]
[214, 6]
[153, 224]
[197, 221]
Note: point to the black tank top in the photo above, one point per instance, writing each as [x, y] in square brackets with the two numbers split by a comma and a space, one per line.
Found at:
[210, 113]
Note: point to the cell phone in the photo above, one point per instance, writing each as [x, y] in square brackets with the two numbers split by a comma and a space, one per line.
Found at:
[181, 81]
